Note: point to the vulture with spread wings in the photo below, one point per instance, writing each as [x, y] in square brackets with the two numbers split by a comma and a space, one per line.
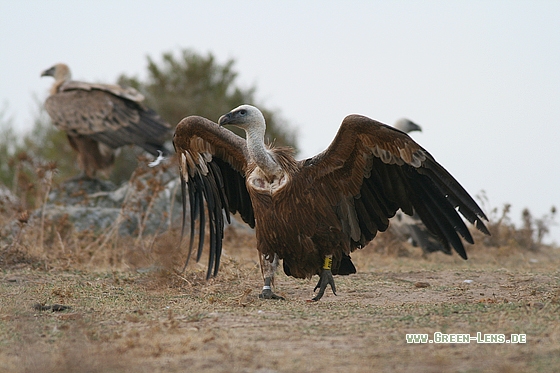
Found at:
[99, 118]
[313, 213]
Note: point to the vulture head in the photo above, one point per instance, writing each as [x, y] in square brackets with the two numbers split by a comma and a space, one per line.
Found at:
[251, 120]
[60, 72]
[246, 117]
[407, 125]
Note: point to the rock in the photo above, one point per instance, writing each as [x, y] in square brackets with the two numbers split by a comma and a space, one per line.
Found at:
[8, 201]
[147, 204]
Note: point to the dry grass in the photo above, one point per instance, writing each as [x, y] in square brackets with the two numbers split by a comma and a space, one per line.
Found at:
[131, 311]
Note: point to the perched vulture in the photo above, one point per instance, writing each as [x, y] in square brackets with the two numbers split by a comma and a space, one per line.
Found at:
[99, 118]
[411, 227]
[313, 213]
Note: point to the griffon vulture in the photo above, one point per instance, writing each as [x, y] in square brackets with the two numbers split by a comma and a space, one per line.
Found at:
[99, 118]
[313, 213]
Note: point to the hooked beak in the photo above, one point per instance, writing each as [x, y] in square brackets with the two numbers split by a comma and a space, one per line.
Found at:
[415, 127]
[48, 72]
[224, 119]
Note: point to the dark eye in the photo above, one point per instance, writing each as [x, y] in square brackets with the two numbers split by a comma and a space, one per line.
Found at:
[242, 112]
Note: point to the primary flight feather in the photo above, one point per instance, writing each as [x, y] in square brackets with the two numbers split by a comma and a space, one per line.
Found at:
[407, 227]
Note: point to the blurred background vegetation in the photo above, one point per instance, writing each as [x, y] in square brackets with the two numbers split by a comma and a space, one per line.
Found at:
[178, 85]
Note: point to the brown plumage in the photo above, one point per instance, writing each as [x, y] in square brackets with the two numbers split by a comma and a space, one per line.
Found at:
[306, 212]
[99, 118]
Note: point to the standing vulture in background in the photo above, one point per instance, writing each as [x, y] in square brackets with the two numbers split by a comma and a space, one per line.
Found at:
[411, 227]
[314, 213]
[99, 118]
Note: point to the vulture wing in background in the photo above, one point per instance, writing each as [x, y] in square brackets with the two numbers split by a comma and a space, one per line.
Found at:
[314, 213]
[99, 118]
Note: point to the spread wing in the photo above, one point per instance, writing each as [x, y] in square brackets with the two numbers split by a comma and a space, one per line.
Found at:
[212, 162]
[108, 114]
[371, 170]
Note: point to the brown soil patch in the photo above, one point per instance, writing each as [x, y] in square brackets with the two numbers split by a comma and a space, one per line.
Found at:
[131, 312]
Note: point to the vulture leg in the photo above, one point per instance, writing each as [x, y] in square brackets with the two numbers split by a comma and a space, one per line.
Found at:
[326, 278]
[268, 270]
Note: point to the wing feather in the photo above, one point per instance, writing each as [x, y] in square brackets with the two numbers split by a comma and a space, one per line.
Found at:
[366, 221]
[370, 200]
[128, 93]
[114, 120]
[213, 162]
[457, 195]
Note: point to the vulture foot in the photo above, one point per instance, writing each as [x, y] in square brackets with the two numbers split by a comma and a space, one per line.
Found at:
[268, 294]
[268, 280]
[326, 278]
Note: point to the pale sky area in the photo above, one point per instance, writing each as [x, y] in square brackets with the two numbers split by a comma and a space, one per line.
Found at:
[481, 77]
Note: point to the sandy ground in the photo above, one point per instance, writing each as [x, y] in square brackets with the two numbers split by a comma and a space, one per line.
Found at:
[144, 318]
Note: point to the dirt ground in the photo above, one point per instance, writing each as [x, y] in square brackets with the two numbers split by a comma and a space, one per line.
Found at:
[141, 315]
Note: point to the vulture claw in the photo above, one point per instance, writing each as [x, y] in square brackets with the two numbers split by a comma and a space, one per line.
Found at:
[326, 278]
[268, 294]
